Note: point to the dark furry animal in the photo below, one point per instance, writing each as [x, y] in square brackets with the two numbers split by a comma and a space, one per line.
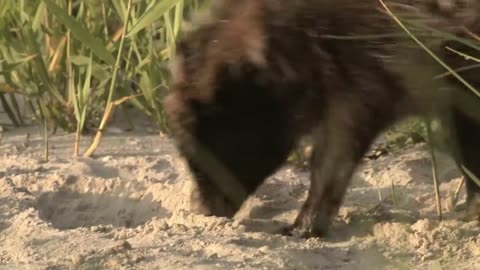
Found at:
[255, 76]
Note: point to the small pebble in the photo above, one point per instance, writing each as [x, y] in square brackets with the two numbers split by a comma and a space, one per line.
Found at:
[264, 249]
[213, 256]
[121, 246]
[161, 225]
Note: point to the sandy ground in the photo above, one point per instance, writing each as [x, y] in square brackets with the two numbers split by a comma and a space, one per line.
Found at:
[127, 208]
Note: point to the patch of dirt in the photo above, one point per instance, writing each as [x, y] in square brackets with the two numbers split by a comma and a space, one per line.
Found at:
[128, 208]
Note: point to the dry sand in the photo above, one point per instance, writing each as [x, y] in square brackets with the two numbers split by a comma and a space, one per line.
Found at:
[127, 208]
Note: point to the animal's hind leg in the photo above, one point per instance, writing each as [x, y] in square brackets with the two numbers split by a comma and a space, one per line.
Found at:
[340, 144]
[465, 121]
[468, 143]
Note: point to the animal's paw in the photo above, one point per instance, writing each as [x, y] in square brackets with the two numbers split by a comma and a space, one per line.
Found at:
[309, 224]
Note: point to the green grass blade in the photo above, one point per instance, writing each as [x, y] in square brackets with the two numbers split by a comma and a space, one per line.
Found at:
[74, 97]
[170, 34]
[8, 110]
[179, 9]
[39, 16]
[85, 94]
[5, 6]
[151, 15]
[80, 33]
[6, 68]
[80, 60]
[87, 84]
[120, 8]
[39, 65]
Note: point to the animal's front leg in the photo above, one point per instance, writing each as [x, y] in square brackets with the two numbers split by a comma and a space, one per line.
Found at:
[339, 147]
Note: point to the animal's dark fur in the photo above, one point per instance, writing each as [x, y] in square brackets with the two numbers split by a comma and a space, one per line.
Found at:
[257, 75]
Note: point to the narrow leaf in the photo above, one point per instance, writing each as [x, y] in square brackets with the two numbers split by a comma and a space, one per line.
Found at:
[151, 15]
[80, 33]
[39, 15]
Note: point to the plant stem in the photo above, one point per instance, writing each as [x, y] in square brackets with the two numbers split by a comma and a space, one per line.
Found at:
[434, 170]
[106, 116]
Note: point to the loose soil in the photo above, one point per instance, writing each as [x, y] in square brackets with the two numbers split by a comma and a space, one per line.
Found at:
[128, 208]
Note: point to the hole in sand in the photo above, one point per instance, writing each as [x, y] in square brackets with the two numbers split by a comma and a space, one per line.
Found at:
[67, 209]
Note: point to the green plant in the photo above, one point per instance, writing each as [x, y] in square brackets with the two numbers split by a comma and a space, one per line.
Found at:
[69, 60]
